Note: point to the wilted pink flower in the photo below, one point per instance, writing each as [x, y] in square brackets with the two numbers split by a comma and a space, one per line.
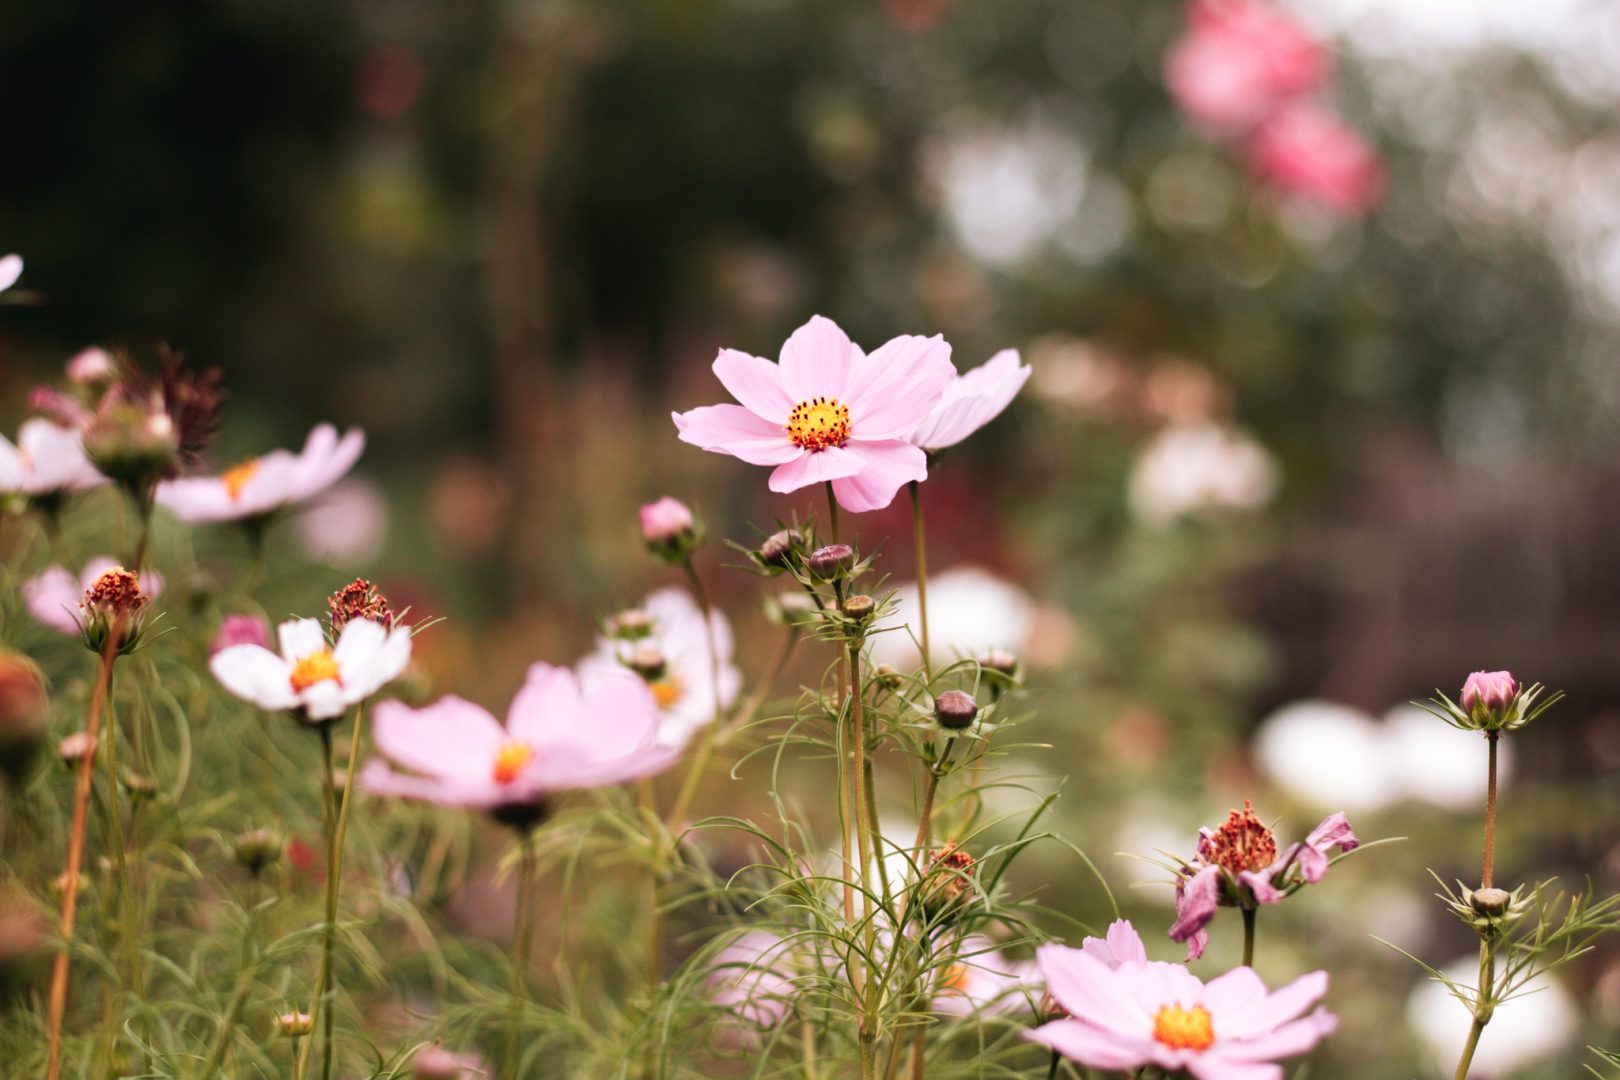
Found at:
[664, 520]
[1307, 150]
[1237, 865]
[1240, 61]
[556, 738]
[240, 630]
[827, 412]
[56, 596]
[1147, 1013]
[91, 366]
[46, 460]
[972, 401]
[262, 485]
[11, 268]
[1492, 690]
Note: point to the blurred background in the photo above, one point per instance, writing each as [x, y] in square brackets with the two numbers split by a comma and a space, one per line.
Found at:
[1321, 418]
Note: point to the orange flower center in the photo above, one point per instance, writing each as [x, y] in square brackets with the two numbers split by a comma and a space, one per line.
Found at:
[1184, 1029]
[314, 668]
[953, 980]
[818, 423]
[236, 478]
[510, 761]
[1242, 842]
[667, 691]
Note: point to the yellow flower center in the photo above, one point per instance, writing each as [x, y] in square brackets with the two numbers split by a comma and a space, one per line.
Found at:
[1184, 1029]
[818, 423]
[314, 668]
[510, 761]
[236, 478]
[667, 691]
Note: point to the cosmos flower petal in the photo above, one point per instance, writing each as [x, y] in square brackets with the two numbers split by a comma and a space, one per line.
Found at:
[756, 383]
[11, 268]
[1092, 1046]
[300, 638]
[1235, 992]
[549, 708]
[816, 361]
[1274, 1010]
[1196, 900]
[815, 467]
[887, 467]
[898, 385]
[255, 674]
[734, 430]
[53, 599]
[1080, 984]
[1220, 1067]
[972, 401]
[1288, 1039]
[450, 738]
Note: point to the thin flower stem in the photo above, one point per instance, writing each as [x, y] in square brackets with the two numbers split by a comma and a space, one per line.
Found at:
[925, 818]
[120, 859]
[1484, 1005]
[143, 507]
[864, 841]
[1248, 936]
[1490, 812]
[57, 1006]
[919, 540]
[1052, 1069]
[807, 1033]
[244, 987]
[522, 934]
[655, 914]
[832, 512]
[1474, 1032]
[319, 1009]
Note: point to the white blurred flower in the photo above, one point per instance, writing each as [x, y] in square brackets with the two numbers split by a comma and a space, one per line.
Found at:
[686, 689]
[1327, 755]
[1007, 191]
[1200, 468]
[1535, 1025]
[346, 525]
[46, 460]
[1439, 764]
[970, 611]
[11, 268]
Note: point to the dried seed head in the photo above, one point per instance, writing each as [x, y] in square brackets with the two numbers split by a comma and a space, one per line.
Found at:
[359, 599]
[114, 595]
[1491, 901]
[1243, 842]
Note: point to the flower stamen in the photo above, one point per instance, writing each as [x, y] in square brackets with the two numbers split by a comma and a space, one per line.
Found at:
[510, 761]
[317, 667]
[818, 423]
[1241, 843]
[1184, 1029]
[236, 478]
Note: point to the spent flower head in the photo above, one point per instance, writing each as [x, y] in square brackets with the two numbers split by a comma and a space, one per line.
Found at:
[359, 599]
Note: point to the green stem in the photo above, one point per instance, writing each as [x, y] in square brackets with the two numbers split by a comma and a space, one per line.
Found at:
[522, 933]
[1484, 1006]
[920, 542]
[832, 512]
[864, 840]
[1052, 1069]
[126, 899]
[244, 987]
[1490, 812]
[143, 507]
[320, 1009]
[1248, 937]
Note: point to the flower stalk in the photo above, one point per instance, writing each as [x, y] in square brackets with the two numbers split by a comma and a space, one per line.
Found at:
[920, 542]
[522, 935]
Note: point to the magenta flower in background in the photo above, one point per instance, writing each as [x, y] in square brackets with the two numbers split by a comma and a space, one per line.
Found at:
[240, 630]
[1149, 1013]
[664, 520]
[1306, 150]
[1238, 865]
[1491, 690]
[1239, 62]
[556, 738]
[46, 460]
[263, 485]
[56, 596]
[971, 401]
[828, 412]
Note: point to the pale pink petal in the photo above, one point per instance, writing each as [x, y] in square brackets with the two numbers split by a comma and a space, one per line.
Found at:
[53, 598]
[11, 268]
[1211, 1066]
[1259, 883]
[449, 738]
[324, 700]
[756, 383]
[372, 658]
[378, 779]
[1276, 1009]
[816, 362]
[1091, 991]
[1196, 900]
[1334, 831]
[196, 500]
[732, 429]
[550, 709]
[972, 401]
[897, 386]
[1287, 1040]
[1126, 943]
[320, 471]
[815, 467]
[886, 467]
[1234, 993]
[1092, 1046]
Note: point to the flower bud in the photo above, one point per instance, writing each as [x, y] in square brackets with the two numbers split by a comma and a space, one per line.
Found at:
[133, 444]
[955, 710]
[76, 747]
[240, 630]
[947, 883]
[93, 365]
[359, 599]
[630, 625]
[1000, 661]
[295, 1025]
[832, 561]
[22, 714]
[859, 607]
[778, 548]
[257, 849]
[887, 677]
[669, 530]
[1491, 901]
[113, 605]
[648, 661]
[1488, 696]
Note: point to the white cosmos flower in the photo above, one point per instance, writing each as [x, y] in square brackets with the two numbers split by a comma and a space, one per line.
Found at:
[262, 485]
[1438, 764]
[1538, 1023]
[1328, 756]
[972, 401]
[11, 268]
[55, 597]
[687, 691]
[46, 460]
[970, 611]
[1200, 468]
[310, 676]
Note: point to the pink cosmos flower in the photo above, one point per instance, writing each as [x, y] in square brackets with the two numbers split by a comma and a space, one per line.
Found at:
[1240, 61]
[437, 1063]
[983, 982]
[317, 680]
[1146, 1013]
[1237, 865]
[263, 485]
[91, 365]
[664, 520]
[56, 596]
[240, 630]
[1307, 150]
[1494, 690]
[827, 412]
[972, 401]
[752, 979]
[556, 738]
[11, 268]
[1122, 945]
[46, 460]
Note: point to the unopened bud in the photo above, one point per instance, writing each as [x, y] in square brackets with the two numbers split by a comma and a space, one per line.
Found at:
[778, 548]
[91, 366]
[76, 747]
[133, 445]
[1491, 901]
[257, 849]
[832, 561]
[859, 607]
[138, 785]
[669, 530]
[948, 881]
[999, 660]
[648, 661]
[955, 710]
[1049, 1009]
[295, 1025]
[630, 625]
[888, 677]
